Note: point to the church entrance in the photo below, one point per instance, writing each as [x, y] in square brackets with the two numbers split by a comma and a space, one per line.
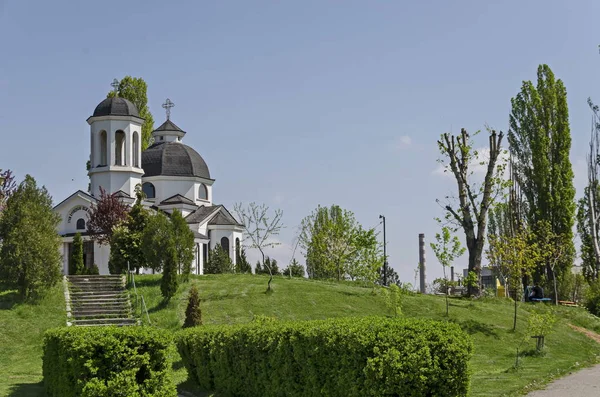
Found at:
[88, 254]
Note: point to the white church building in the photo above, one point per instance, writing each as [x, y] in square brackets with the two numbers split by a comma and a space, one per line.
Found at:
[172, 175]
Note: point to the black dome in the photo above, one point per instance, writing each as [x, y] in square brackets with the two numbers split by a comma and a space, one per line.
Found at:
[116, 107]
[173, 159]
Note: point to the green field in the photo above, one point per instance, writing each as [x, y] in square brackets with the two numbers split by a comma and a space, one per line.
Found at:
[229, 299]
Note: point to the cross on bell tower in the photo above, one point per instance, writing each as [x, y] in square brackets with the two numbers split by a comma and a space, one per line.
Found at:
[168, 105]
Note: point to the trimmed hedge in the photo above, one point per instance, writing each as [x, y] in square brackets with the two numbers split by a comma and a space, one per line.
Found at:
[369, 356]
[107, 361]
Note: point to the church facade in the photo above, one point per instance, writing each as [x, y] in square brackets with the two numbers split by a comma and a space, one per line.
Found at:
[171, 174]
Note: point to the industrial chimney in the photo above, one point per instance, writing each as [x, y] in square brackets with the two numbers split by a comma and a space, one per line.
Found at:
[422, 262]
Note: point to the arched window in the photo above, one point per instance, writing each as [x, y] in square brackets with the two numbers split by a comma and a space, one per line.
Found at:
[202, 192]
[136, 149]
[103, 148]
[119, 148]
[80, 224]
[225, 244]
[149, 190]
[237, 247]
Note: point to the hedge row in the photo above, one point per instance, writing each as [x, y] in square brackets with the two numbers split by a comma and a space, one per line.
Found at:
[337, 357]
[107, 361]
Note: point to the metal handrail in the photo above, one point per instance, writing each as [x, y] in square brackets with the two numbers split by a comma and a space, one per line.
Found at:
[142, 302]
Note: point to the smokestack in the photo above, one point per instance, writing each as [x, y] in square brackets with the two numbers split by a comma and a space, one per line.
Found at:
[422, 262]
[451, 273]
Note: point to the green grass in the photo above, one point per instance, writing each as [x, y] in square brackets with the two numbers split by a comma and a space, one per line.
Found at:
[230, 299]
[22, 326]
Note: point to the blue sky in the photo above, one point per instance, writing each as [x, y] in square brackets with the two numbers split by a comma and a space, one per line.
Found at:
[294, 104]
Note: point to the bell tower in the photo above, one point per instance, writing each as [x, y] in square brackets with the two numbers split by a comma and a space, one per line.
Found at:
[116, 152]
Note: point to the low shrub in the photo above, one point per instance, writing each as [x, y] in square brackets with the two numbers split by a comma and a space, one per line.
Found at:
[107, 361]
[370, 356]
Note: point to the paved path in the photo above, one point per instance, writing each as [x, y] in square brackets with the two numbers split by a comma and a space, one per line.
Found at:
[584, 383]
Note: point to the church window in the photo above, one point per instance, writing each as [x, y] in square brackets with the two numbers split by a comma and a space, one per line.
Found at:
[136, 149]
[80, 224]
[103, 148]
[237, 247]
[162, 138]
[120, 148]
[225, 244]
[202, 192]
[149, 190]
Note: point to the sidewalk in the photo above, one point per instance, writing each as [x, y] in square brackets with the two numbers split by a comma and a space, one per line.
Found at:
[584, 383]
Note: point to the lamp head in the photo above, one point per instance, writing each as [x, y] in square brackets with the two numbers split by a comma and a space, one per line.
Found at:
[380, 216]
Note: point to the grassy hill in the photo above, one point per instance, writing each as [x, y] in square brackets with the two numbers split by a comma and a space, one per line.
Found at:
[229, 299]
[21, 336]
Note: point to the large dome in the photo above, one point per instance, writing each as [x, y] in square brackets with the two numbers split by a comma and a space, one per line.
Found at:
[116, 106]
[173, 159]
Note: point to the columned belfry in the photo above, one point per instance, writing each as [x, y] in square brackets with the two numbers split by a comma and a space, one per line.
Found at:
[116, 152]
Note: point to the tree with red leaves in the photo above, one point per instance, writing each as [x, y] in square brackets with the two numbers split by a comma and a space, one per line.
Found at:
[107, 213]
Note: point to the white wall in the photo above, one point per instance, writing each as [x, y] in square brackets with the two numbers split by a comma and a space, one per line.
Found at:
[113, 177]
[168, 186]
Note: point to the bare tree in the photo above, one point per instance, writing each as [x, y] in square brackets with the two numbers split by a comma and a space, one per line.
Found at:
[260, 227]
[593, 159]
[473, 201]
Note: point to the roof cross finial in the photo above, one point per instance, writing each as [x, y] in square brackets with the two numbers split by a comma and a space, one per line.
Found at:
[115, 86]
[168, 105]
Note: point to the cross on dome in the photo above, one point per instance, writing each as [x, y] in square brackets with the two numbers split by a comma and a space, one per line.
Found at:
[115, 86]
[168, 105]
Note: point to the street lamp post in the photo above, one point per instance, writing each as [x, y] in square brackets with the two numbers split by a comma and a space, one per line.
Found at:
[384, 253]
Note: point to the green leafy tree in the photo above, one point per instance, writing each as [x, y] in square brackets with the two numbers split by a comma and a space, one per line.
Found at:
[241, 264]
[183, 239]
[193, 313]
[135, 89]
[77, 265]
[30, 260]
[336, 246]
[157, 241]
[392, 297]
[294, 269]
[540, 143]
[126, 240]
[168, 282]
[447, 249]
[519, 254]
[261, 229]
[392, 277]
[470, 211]
[218, 262]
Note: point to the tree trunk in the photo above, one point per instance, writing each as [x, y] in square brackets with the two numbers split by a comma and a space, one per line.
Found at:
[515, 319]
[555, 288]
[270, 272]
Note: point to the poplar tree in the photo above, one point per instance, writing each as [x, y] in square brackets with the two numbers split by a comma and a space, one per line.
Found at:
[183, 243]
[77, 265]
[540, 141]
[134, 90]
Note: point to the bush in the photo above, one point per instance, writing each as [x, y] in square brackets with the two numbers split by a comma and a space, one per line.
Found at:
[107, 361]
[91, 270]
[592, 298]
[336, 357]
[193, 314]
[218, 262]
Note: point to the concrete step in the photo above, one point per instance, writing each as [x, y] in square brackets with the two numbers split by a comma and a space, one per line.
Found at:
[99, 294]
[102, 311]
[105, 321]
[101, 316]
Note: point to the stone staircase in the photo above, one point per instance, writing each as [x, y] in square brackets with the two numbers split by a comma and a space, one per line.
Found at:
[97, 301]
